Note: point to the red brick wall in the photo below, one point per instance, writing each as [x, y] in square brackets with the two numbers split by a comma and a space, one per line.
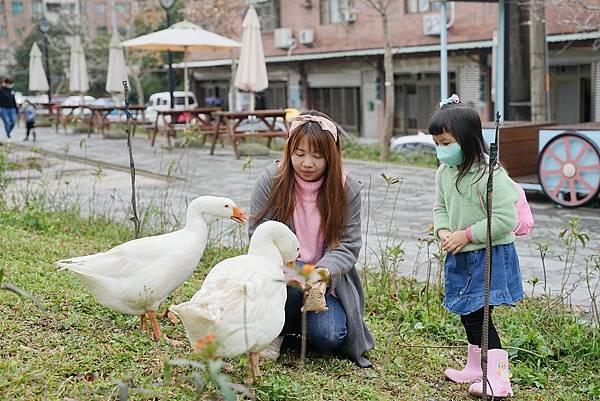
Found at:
[474, 21]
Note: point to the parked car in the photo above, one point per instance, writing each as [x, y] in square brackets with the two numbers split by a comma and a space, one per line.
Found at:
[114, 115]
[161, 101]
[421, 142]
[77, 100]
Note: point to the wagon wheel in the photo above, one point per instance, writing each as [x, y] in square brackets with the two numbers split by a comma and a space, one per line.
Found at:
[569, 169]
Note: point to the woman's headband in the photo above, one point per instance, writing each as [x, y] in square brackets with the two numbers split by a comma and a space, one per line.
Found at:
[325, 124]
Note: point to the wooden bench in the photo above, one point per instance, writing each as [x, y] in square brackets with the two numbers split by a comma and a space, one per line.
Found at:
[174, 121]
[232, 120]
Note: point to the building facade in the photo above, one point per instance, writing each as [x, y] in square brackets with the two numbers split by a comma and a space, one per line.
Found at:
[89, 18]
[328, 55]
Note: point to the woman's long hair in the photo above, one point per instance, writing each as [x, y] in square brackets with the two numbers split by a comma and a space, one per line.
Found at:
[464, 123]
[332, 199]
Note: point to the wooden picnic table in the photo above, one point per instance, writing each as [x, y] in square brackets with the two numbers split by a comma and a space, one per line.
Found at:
[99, 117]
[65, 118]
[231, 120]
[50, 108]
[178, 120]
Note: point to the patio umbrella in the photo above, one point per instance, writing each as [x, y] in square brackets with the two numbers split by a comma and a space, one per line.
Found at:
[183, 37]
[37, 77]
[78, 76]
[251, 74]
[117, 69]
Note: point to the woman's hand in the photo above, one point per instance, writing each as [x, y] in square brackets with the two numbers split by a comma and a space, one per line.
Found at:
[454, 242]
[320, 274]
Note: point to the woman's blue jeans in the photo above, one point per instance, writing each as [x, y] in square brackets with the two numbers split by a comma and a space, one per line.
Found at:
[325, 330]
[9, 118]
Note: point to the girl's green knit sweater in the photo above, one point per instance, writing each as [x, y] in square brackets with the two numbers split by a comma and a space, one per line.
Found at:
[458, 209]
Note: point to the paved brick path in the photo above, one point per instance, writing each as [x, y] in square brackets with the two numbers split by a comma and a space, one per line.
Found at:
[167, 179]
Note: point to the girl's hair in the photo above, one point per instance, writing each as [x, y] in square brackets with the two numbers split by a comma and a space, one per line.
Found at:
[465, 125]
[332, 199]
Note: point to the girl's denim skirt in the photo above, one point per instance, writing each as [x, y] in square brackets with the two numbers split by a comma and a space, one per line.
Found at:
[465, 279]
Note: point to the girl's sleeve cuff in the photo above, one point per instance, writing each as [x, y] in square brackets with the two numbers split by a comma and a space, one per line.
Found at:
[470, 233]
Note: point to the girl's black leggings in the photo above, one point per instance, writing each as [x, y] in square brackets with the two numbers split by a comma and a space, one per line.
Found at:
[473, 325]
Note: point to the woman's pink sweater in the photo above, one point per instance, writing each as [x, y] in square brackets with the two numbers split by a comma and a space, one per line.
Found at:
[307, 220]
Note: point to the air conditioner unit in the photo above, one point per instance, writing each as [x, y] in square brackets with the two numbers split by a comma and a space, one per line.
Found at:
[431, 25]
[306, 37]
[349, 14]
[284, 38]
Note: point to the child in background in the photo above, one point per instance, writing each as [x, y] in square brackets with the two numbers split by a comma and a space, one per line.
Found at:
[460, 223]
[29, 112]
[310, 192]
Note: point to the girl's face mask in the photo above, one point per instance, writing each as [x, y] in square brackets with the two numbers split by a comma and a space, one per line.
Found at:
[450, 155]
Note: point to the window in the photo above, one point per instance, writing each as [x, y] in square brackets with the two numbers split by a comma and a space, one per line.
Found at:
[332, 11]
[122, 31]
[100, 9]
[17, 7]
[421, 6]
[275, 96]
[342, 104]
[37, 9]
[101, 30]
[417, 95]
[268, 12]
[2, 31]
[53, 7]
[122, 8]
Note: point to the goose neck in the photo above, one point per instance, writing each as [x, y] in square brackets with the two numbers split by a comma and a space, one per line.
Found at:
[264, 246]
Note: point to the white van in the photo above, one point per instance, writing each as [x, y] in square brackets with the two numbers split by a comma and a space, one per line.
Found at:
[161, 101]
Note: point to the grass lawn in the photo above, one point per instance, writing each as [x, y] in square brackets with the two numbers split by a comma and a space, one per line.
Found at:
[79, 350]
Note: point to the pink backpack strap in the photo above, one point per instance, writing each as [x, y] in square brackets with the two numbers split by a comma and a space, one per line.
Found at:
[524, 215]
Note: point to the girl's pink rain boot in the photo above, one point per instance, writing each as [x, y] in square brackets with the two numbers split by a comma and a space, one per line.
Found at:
[498, 376]
[472, 371]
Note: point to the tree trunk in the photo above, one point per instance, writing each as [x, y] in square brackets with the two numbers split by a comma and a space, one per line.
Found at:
[139, 90]
[537, 57]
[388, 66]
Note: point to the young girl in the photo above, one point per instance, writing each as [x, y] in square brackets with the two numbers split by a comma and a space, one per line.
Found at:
[460, 223]
[29, 112]
[309, 191]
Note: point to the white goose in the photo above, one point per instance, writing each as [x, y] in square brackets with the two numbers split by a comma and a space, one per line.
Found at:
[136, 277]
[242, 299]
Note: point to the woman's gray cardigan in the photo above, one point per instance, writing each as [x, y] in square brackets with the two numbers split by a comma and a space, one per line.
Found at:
[340, 262]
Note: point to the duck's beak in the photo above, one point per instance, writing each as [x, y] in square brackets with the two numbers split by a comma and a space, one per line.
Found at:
[239, 215]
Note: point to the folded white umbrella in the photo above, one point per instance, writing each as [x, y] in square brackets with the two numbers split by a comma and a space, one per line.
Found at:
[117, 69]
[182, 37]
[78, 76]
[37, 76]
[251, 73]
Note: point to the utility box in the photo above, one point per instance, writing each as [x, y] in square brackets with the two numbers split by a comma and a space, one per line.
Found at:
[284, 38]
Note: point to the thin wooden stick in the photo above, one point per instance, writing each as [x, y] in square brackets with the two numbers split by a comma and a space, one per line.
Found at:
[134, 219]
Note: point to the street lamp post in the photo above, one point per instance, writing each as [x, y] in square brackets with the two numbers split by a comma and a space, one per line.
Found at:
[167, 4]
[44, 27]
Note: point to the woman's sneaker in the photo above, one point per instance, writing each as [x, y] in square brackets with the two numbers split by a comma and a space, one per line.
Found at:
[273, 350]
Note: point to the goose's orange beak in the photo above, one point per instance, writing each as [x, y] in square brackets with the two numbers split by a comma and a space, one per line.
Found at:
[239, 215]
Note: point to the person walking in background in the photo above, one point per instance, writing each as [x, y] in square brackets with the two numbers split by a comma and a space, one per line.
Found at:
[29, 112]
[8, 106]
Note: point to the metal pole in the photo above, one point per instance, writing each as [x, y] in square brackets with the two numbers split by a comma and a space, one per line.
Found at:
[113, 15]
[443, 52]
[170, 61]
[500, 60]
[48, 68]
